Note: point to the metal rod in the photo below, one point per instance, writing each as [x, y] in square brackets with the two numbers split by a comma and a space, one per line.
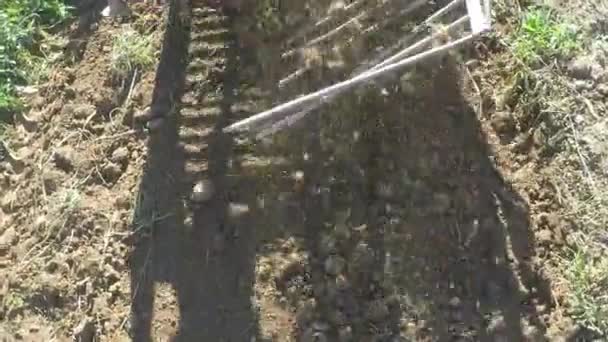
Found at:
[323, 94]
[411, 7]
[296, 74]
[291, 119]
[422, 43]
[443, 11]
[479, 21]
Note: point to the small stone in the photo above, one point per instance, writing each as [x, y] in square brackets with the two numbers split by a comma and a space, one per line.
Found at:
[143, 115]
[51, 180]
[120, 155]
[111, 172]
[602, 89]
[581, 85]
[345, 334]
[299, 181]
[122, 202]
[320, 326]
[455, 302]
[342, 282]
[6, 240]
[334, 265]
[8, 202]
[81, 111]
[292, 269]
[497, 329]
[533, 334]
[202, 191]
[63, 158]
[503, 123]
[544, 237]
[342, 231]
[580, 68]
[237, 210]
[310, 335]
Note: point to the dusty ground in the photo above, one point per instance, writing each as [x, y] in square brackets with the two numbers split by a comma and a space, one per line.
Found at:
[395, 215]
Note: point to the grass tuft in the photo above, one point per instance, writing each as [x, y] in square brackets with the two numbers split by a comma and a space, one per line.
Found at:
[23, 27]
[542, 36]
[132, 51]
[588, 278]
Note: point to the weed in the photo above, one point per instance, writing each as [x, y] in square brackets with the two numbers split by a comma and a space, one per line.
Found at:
[588, 279]
[131, 51]
[65, 202]
[23, 24]
[543, 36]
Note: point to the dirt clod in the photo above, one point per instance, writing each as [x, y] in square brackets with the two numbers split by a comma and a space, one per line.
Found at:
[64, 158]
[581, 68]
[544, 237]
[111, 172]
[120, 155]
[504, 124]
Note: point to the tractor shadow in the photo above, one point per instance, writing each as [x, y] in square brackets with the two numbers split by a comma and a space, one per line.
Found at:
[212, 288]
[409, 231]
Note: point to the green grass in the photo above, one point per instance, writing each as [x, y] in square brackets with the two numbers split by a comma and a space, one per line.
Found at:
[22, 27]
[542, 36]
[132, 51]
[588, 279]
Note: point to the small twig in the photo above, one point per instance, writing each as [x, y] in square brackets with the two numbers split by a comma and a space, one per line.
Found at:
[590, 107]
[88, 120]
[128, 100]
[477, 90]
[581, 157]
[114, 136]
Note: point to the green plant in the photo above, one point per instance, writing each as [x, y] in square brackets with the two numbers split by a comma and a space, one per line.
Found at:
[23, 24]
[132, 51]
[588, 279]
[542, 36]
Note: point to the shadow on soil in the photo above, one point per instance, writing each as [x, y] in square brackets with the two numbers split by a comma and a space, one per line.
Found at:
[410, 231]
[213, 287]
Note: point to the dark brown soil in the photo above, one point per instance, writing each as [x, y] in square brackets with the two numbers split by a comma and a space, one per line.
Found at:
[392, 214]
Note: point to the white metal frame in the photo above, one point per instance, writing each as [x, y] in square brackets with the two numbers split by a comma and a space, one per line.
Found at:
[284, 115]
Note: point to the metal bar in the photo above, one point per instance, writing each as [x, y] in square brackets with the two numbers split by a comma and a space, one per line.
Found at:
[411, 7]
[292, 119]
[422, 43]
[296, 74]
[479, 21]
[323, 94]
[443, 11]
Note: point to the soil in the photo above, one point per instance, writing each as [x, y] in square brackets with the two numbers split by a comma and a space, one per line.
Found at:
[397, 213]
